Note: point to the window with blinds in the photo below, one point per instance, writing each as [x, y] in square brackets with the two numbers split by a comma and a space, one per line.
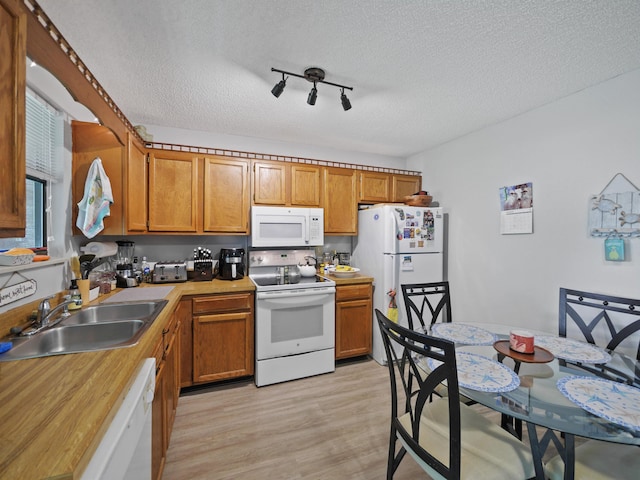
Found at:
[43, 152]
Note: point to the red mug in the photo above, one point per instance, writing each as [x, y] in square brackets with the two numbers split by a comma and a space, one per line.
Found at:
[521, 341]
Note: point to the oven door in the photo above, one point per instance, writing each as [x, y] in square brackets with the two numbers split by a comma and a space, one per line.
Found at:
[290, 322]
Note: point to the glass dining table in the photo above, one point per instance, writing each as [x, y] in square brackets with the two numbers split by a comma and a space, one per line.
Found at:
[543, 397]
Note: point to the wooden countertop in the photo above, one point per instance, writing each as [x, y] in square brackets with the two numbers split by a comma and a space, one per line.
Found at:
[55, 410]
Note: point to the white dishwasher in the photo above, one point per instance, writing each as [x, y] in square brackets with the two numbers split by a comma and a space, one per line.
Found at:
[125, 449]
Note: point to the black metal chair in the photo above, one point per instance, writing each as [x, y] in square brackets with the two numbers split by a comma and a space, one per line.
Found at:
[606, 321]
[426, 304]
[445, 437]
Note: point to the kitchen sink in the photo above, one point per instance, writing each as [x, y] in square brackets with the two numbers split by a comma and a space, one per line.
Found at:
[100, 327]
[109, 312]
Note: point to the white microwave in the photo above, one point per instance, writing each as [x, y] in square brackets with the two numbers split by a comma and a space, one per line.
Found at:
[287, 227]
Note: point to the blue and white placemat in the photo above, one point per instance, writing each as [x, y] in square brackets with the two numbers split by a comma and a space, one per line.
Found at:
[617, 402]
[572, 350]
[481, 373]
[463, 334]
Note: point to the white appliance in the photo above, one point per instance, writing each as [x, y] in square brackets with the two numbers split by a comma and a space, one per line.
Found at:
[287, 227]
[294, 320]
[125, 450]
[397, 244]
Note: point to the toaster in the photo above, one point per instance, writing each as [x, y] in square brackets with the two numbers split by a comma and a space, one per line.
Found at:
[169, 272]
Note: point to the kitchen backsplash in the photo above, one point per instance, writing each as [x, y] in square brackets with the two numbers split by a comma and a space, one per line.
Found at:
[168, 248]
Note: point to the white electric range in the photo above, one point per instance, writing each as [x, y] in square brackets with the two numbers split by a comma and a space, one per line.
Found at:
[295, 317]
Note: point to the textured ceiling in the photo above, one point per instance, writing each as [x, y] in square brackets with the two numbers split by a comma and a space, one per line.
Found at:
[423, 72]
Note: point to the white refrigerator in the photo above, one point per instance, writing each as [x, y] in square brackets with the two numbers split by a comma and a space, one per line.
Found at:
[397, 244]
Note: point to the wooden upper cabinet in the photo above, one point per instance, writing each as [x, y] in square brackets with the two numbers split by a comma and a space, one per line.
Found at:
[286, 184]
[305, 185]
[91, 141]
[173, 191]
[374, 187]
[136, 181]
[340, 202]
[404, 185]
[226, 195]
[13, 51]
[269, 183]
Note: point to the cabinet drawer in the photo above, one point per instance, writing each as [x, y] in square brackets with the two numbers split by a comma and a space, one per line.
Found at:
[349, 292]
[223, 303]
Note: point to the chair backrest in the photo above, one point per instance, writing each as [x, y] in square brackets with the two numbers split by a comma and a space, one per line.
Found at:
[426, 304]
[603, 320]
[413, 386]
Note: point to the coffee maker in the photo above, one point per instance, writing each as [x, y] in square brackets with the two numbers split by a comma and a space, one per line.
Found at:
[125, 276]
[231, 264]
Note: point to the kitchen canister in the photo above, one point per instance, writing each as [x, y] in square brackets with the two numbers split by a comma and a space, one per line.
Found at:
[521, 341]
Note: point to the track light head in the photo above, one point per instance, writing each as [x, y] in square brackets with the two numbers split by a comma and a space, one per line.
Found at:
[313, 94]
[279, 87]
[346, 104]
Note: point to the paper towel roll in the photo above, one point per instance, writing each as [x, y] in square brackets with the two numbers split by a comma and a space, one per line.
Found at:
[100, 249]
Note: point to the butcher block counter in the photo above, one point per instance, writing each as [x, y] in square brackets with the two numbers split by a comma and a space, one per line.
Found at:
[55, 410]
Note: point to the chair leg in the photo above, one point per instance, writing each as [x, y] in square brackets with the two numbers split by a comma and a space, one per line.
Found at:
[392, 454]
[512, 425]
[394, 459]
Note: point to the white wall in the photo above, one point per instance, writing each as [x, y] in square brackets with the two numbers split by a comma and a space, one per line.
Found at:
[258, 145]
[569, 149]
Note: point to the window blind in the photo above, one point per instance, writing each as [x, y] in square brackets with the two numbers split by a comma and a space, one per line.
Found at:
[43, 138]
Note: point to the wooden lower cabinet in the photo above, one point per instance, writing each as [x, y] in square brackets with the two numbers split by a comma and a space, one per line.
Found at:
[158, 442]
[165, 400]
[221, 343]
[354, 320]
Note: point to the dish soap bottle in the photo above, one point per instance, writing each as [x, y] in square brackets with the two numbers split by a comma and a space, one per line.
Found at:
[146, 271]
[74, 292]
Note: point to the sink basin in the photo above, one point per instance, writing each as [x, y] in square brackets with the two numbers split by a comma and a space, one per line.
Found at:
[77, 338]
[99, 327]
[108, 312]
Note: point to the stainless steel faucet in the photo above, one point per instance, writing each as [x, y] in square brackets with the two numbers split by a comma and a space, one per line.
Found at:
[46, 313]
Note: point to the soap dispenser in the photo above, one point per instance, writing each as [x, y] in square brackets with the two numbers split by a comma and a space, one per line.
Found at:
[74, 292]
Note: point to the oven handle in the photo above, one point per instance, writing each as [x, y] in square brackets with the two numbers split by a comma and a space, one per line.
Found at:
[306, 292]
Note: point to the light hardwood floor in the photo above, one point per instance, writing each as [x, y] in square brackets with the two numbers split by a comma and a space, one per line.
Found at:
[332, 426]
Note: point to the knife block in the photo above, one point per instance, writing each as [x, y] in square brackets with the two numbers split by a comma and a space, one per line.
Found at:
[202, 270]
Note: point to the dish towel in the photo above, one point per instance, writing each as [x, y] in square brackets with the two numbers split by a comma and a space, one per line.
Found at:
[95, 205]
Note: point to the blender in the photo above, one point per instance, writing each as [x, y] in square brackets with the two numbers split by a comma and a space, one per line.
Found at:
[125, 276]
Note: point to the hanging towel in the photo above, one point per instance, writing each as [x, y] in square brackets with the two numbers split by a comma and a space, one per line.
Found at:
[97, 199]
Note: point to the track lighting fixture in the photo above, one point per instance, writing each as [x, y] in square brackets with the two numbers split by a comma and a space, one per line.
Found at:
[314, 75]
[279, 87]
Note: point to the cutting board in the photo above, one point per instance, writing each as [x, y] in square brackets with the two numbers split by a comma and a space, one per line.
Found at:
[140, 294]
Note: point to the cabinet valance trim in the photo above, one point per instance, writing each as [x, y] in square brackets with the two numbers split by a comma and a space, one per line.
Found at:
[278, 158]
